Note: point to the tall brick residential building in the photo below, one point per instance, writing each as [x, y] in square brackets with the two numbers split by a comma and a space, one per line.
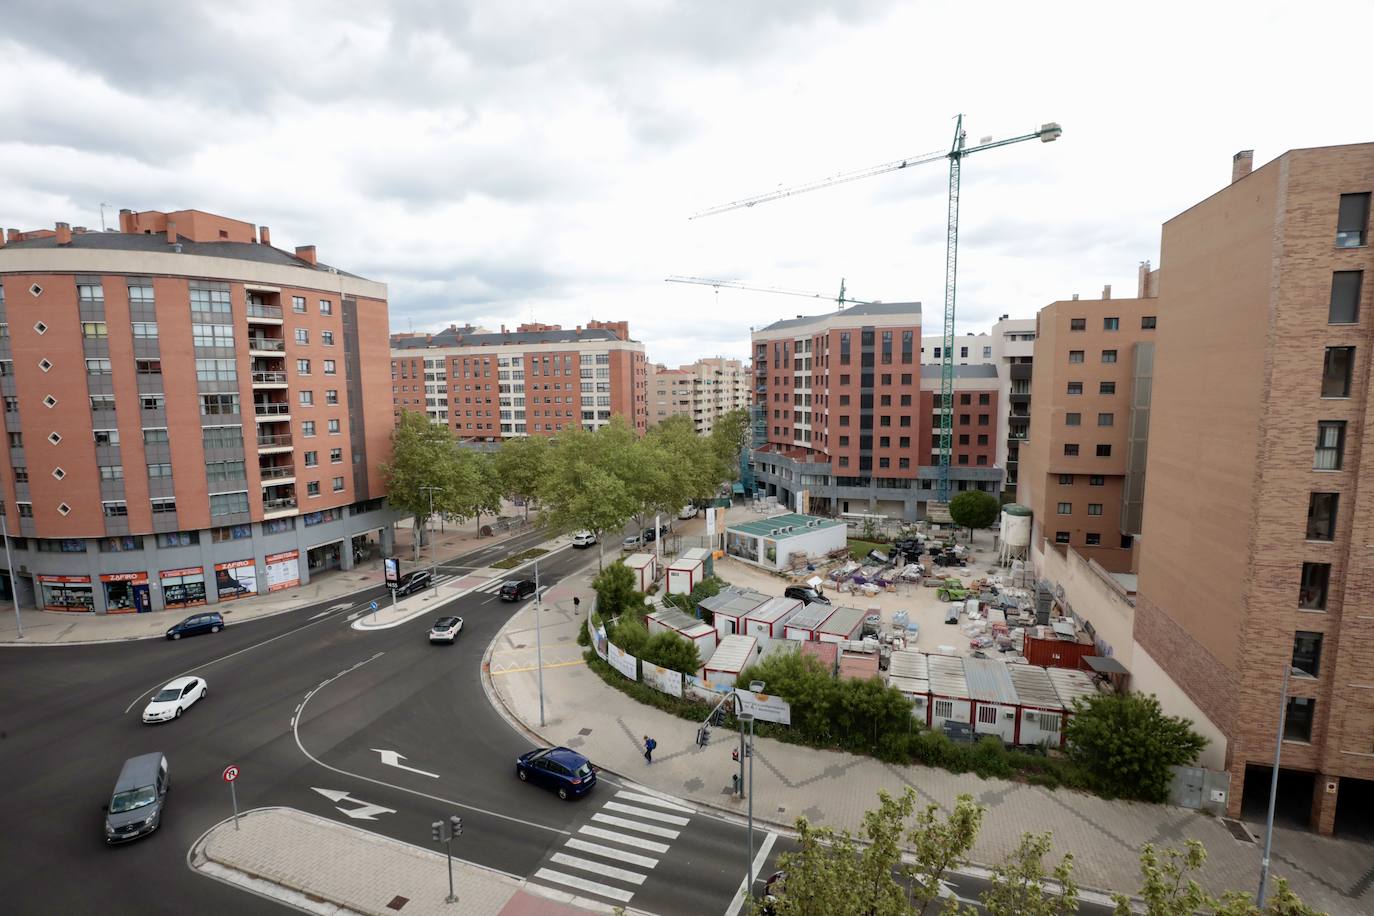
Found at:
[703, 391]
[192, 415]
[1259, 514]
[535, 380]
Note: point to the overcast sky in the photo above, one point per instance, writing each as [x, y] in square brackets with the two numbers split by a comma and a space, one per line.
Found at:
[497, 161]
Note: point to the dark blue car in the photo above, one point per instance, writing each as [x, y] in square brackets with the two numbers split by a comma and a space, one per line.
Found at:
[559, 768]
[208, 622]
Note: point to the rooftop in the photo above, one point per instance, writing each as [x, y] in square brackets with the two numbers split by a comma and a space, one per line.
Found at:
[799, 523]
[854, 311]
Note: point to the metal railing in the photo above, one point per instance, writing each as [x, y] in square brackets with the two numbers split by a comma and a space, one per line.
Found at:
[282, 502]
[272, 439]
[269, 378]
[271, 409]
[277, 472]
[256, 310]
[266, 343]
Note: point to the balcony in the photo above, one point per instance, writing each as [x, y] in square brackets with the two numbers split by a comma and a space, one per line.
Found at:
[273, 442]
[269, 379]
[272, 410]
[261, 313]
[277, 473]
[266, 345]
[278, 506]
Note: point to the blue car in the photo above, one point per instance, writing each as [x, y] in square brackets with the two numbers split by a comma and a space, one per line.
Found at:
[208, 622]
[559, 768]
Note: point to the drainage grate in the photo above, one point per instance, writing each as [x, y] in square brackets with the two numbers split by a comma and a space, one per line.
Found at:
[397, 902]
[1238, 830]
[584, 732]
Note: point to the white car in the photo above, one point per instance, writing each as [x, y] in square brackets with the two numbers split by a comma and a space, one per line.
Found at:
[687, 512]
[174, 699]
[446, 629]
[583, 538]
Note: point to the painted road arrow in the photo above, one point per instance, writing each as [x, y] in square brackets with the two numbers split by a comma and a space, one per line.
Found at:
[393, 759]
[367, 811]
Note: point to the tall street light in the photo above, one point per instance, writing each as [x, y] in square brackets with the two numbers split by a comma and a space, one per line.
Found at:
[433, 552]
[538, 643]
[1274, 783]
[9, 563]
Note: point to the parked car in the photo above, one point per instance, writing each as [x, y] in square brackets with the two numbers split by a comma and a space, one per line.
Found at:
[687, 512]
[773, 890]
[805, 594]
[583, 538]
[174, 699]
[209, 622]
[647, 536]
[559, 768]
[140, 794]
[446, 629]
[416, 581]
[517, 589]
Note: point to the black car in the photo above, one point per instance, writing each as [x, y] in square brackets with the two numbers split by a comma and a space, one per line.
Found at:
[413, 582]
[517, 589]
[209, 622]
[805, 594]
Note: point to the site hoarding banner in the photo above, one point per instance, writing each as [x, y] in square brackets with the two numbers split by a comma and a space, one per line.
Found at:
[622, 661]
[701, 689]
[599, 640]
[664, 680]
[765, 707]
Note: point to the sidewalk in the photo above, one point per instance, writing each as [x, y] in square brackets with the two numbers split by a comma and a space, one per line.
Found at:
[834, 789]
[322, 866]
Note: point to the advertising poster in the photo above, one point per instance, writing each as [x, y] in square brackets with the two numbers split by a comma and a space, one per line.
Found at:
[701, 689]
[238, 579]
[283, 570]
[765, 707]
[600, 642]
[622, 661]
[664, 680]
[391, 567]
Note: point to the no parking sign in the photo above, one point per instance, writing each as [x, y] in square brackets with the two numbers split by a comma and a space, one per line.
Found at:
[231, 773]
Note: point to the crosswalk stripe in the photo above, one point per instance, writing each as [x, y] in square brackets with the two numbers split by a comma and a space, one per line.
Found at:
[636, 825]
[647, 814]
[653, 800]
[628, 840]
[617, 854]
[582, 884]
[596, 868]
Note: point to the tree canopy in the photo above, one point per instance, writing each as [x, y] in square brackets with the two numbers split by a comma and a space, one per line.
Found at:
[522, 464]
[974, 509]
[1127, 744]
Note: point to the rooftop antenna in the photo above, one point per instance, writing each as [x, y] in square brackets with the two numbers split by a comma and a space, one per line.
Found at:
[102, 216]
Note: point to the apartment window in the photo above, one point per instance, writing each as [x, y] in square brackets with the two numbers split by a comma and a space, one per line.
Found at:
[215, 370]
[298, 304]
[1147, 322]
[1345, 297]
[216, 471]
[1061, 537]
[844, 348]
[209, 300]
[1106, 388]
[94, 330]
[1065, 509]
[1075, 356]
[1066, 480]
[904, 462]
[308, 428]
[963, 352]
[1104, 451]
[1307, 652]
[844, 461]
[1111, 324]
[302, 335]
[21, 474]
[1321, 516]
[1297, 724]
[213, 437]
[937, 352]
[145, 330]
[963, 438]
[93, 367]
[984, 400]
[230, 533]
[312, 488]
[887, 348]
[336, 456]
[331, 395]
[1097, 480]
[1336, 370]
[102, 437]
[212, 405]
[334, 427]
[312, 459]
[987, 353]
[152, 402]
[212, 335]
[1352, 221]
[965, 399]
[327, 338]
[1078, 324]
[302, 367]
[98, 402]
[338, 484]
[1075, 387]
[25, 510]
[1330, 445]
[906, 346]
[1073, 419]
[117, 509]
[1109, 356]
[844, 442]
[329, 367]
[1071, 448]
[110, 472]
[228, 504]
[306, 397]
[163, 504]
[326, 307]
[1312, 587]
[1105, 419]
[159, 470]
[1094, 508]
[1092, 539]
[154, 366]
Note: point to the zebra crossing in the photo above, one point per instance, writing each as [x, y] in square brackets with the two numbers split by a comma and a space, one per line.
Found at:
[613, 853]
[494, 587]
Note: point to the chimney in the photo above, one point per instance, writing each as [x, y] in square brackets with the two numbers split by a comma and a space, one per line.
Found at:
[306, 253]
[126, 220]
[264, 235]
[1143, 281]
[1107, 291]
[171, 232]
[78, 230]
[1241, 163]
[503, 329]
[64, 234]
[1075, 297]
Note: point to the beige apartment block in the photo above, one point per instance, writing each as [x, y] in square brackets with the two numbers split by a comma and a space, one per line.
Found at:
[704, 391]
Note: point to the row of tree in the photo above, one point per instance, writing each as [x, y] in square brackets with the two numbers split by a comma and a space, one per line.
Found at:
[594, 480]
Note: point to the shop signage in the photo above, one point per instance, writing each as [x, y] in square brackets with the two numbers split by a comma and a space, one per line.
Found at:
[283, 570]
[137, 578]
[75, 580]
[237, 579]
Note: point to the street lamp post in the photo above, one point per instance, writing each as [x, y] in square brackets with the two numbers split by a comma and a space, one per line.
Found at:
[9, 564]
[433, 552]
[749, 869]
[1274, 784]
[538, 643]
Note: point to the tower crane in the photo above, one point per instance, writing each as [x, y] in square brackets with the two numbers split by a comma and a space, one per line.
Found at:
[736, 284]
[956, 154]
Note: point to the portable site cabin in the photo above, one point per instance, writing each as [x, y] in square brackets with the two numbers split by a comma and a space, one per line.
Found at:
[908, 672]
[994, 698]
[1071, 685]
[730, 606]
[770, 619]
[844, 624]
[805, 625]
[828, 653]
[645, 568]
[858, 661]
[771, 542]
[673, 620]
[1041, 720]
[729, 659]
[686, 572]
[949, 699]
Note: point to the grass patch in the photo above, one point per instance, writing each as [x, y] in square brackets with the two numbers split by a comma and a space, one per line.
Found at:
[512, 562]
[859, 549]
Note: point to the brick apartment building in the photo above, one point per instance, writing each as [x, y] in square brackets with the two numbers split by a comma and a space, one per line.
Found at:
[844, 413]
[1259, 517]
[704, 391]
[192, 415]
[536, 380]
[1092, 364]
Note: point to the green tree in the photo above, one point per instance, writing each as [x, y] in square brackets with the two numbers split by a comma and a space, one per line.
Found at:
[974, 509]
[615, 590]
[1169, 888]
[729, 437]
[585, 486]
[483, 493]
[422, 455]
[630, 635]
[684, 467]
[1126, 744]
[522, 464]
[669, 650]
[1021, 886]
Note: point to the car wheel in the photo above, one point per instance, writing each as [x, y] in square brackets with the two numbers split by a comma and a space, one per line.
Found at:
[178, 715]
[214, 629]
[176, 635]
[203, 691]
[563, 792]
[522, 775]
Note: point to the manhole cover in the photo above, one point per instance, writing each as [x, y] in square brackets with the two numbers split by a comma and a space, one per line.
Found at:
[397, 902]
[1238, 830]
[584, 732]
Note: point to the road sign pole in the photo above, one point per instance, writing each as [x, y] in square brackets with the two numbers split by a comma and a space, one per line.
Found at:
[538, 643]
[234, 798]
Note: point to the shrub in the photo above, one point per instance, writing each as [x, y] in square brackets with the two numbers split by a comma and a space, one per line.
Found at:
[669, 650]
[1126, 744]
[615, 590]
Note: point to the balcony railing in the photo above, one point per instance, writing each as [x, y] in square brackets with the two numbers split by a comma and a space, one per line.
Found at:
[269, 378]
[271, 440]
[256, 310]
[281, 502]
[277, 472]
[273, 408]
[266, 343]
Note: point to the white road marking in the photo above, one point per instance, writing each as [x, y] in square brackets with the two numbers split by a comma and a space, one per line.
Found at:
[619, 855]
[623, 838]
[745, 892]
[654, 800]
[647, 814]
[582, 884]
[368, 811]
[596, 868]
[636, 825]
[393, 759]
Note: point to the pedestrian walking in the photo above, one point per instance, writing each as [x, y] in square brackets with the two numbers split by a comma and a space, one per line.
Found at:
[577, 605]
[649, 745]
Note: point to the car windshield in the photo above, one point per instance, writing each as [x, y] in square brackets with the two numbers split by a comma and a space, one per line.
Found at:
[583, 771]
[134, 798]
[443, 623]
[167, 694]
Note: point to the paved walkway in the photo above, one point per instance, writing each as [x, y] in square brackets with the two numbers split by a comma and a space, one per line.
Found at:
[321, 866]
[834, 789]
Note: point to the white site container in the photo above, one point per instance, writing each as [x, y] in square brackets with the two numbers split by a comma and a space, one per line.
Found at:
[994, 698]
[730, 658]
[645, 568]
[770, 619]
[1041, 716]
[700, 634]
[729, 608]
[949, 699]
[685, 574]
[805, 625]
[908, 671]
[844, 624]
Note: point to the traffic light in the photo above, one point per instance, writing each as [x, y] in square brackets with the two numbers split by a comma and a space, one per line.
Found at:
[718, 716]
[436, 831]
[703, 736]
[455, 824]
